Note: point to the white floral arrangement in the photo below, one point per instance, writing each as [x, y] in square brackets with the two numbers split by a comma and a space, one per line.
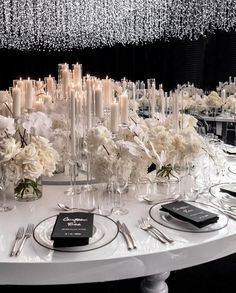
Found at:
[230, 104]
[105, 152]
[199, 104]
[143, 142]
[26, 157]
[193, 102]
[171, 148]
[213, 100]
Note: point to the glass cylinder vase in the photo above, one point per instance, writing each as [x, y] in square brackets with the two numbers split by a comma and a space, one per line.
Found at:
[28, 189]
[167, 187]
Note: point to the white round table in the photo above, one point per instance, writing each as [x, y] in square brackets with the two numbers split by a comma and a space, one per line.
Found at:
[37, 265]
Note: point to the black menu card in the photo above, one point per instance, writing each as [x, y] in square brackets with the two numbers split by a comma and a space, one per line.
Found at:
[229, 188]
[189, 213]
[72, 229]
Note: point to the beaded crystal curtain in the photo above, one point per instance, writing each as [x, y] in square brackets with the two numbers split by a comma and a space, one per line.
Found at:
[69, 24]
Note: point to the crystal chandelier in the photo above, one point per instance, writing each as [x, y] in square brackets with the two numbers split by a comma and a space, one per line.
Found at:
[68, 24]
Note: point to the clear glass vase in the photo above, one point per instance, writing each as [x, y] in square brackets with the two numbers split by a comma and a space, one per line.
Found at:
[167, 187]
[28, 190]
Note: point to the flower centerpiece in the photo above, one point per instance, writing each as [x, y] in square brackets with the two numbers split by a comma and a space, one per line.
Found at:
[143, 143]
[213, 101]
[26, 158]
[230, 104]
[171, 149]
[106, 151]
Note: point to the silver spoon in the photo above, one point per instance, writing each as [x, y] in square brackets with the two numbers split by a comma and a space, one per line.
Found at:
[155, 201]
[67, 208]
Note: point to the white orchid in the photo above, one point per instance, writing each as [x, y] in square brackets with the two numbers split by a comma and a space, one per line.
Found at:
[37, 123]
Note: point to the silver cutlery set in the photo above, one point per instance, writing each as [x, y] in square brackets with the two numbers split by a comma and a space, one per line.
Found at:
[123, 229]
[20, 239]
[145, 225]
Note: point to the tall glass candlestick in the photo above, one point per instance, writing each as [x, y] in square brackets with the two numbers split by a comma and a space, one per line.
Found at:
[73, 133]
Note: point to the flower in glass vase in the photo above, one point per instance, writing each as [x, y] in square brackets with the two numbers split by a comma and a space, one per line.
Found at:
[33, 160]
[26, 158]
[169, 148]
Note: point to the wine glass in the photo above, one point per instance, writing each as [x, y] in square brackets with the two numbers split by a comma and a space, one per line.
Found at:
[4, 206]
[121, 182]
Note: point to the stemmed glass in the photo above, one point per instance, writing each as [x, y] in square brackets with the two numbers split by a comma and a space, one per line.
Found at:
[121, 181]
[4, 207]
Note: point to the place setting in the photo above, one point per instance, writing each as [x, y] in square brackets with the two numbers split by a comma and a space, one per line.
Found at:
[188, 216]
[229, 151]
[75, 231]
[225, 192]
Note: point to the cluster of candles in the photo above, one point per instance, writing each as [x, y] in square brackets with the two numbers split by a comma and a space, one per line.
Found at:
[90, 97]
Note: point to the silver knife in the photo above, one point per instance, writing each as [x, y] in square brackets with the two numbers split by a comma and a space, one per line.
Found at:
[130, 236]
[125, 235]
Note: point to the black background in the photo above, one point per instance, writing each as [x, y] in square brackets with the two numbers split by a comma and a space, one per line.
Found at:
[204, 62]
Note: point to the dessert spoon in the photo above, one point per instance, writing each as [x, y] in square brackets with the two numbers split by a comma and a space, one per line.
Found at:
[67, 208]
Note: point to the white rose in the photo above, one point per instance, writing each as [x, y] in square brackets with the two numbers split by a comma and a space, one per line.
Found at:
[27, 154]
[28, 160]
[48, 159]
[32, 169]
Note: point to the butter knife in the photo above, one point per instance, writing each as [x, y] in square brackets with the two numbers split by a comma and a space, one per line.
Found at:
[129, 234]
[125, 235]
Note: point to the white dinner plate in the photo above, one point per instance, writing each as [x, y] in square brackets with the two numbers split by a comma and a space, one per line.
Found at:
[105, 230]
[232, 169]
[165, 219]
[223, 196]
[229, 148]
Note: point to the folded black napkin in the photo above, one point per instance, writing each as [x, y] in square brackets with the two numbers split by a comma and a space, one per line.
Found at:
[189, 213]
[230, 189]
[72, 229]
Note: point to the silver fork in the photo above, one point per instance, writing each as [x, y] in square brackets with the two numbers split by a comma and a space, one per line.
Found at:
[162, 234]
[28, 233]
[146, 228]
[19, 235]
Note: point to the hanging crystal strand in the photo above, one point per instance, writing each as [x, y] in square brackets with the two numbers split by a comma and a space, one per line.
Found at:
[66, 24]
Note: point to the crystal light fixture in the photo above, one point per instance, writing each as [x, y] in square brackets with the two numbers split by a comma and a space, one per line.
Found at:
[68, 24]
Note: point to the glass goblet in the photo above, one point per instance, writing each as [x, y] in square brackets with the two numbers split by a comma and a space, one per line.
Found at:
[121, 182]
[4, 205]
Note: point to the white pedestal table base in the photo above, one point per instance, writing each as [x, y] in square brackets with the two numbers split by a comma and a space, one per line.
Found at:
[155, 283]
